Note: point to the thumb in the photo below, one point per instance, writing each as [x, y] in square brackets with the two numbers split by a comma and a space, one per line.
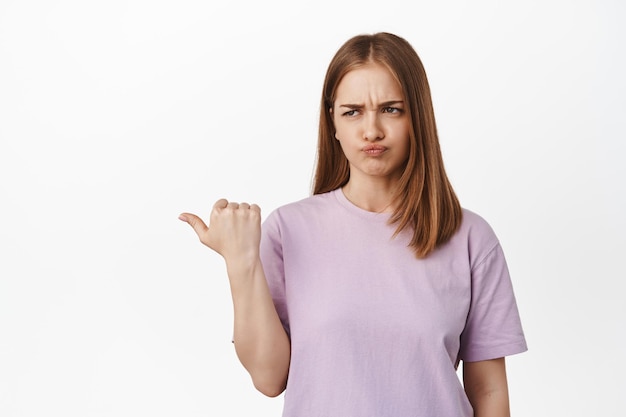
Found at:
[196, 223]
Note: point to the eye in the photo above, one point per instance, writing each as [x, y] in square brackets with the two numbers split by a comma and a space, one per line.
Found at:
[393, 110]
[350, 113]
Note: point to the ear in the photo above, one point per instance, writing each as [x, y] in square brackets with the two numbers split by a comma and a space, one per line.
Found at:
[330, 111]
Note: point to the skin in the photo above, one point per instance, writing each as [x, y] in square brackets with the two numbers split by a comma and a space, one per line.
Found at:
[369, 113]
[486, 387]
[260, 340]
[373, 130]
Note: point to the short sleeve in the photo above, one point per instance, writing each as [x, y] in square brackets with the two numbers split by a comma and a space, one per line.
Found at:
[271, 252]
[493, 328]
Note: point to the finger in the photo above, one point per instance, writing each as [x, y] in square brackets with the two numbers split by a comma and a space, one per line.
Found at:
[255, 208]
[195, 222]
[232, 205]
[244, 206]
[221, 203]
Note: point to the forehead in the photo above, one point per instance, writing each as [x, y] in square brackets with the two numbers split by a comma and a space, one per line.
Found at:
[372, 80]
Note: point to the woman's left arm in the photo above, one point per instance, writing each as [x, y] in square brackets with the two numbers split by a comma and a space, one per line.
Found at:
[486, 387]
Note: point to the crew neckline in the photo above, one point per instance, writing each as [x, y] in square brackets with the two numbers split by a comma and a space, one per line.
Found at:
[353, 208]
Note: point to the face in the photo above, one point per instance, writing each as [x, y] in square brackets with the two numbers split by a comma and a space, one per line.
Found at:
[371, 124]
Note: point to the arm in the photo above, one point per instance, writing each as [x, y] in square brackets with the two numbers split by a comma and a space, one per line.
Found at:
[261, 343]
[486, 387]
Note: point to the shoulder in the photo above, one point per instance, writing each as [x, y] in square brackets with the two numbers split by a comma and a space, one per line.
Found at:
[308, 206]
[476, 226]
[476, 235]
[301, 213]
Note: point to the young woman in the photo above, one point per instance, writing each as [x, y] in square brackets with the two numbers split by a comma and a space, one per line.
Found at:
[362, 299]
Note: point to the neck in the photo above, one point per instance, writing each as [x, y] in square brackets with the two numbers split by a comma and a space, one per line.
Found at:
[377, 197]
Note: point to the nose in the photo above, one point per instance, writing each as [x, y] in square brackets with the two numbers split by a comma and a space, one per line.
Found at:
[372, 130]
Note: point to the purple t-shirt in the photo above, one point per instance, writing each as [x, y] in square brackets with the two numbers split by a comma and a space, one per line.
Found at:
[374, 330]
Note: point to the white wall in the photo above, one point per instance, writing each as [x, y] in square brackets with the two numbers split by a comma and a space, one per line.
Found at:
[116, 116]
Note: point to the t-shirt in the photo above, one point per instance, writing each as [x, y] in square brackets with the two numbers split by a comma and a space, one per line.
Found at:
[375, 331]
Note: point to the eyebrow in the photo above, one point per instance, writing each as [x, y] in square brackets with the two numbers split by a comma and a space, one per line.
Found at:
[384, 104]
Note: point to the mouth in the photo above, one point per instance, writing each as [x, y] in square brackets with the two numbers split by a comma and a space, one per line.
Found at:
[374, 150]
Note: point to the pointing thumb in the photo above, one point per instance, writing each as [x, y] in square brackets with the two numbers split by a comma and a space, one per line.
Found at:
[195, 222]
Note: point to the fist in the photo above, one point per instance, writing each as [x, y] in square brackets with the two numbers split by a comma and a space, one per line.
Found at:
[234, 230]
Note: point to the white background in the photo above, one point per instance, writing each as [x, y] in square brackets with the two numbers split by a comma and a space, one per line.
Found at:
[115, 116]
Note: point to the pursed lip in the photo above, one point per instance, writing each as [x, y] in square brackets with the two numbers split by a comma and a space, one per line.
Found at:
[374, 149]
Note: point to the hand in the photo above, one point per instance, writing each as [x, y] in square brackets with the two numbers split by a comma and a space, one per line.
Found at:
[234, 231]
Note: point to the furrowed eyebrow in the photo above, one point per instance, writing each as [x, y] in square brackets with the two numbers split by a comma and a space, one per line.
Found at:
[391, 103]
[385, 104]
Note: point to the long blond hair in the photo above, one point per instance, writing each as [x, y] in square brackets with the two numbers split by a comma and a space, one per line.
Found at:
[426, 202]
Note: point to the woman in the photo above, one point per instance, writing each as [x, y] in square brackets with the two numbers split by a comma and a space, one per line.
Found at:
[362, 299]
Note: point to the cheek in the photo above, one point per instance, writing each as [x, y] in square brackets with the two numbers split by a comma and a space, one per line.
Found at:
[400, 133]
[343, 132]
